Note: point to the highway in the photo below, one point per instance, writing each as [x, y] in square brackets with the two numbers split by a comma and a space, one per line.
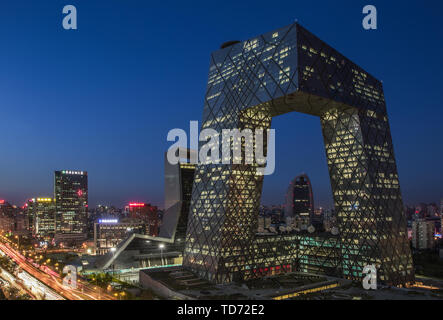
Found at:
[52, 280]
[37, 288]
[7, 280]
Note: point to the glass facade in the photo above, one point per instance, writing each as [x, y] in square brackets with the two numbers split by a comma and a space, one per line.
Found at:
[71, 201]
[179, 179]
[284, 71]
[41, 213]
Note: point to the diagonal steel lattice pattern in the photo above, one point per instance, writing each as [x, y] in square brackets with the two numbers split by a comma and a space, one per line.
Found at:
[283, 71]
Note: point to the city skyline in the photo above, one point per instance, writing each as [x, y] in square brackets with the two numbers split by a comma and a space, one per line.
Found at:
[145, 199]
[105, 125]
[234, 151]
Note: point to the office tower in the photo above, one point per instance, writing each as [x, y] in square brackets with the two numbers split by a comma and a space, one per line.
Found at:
[423, 234]
[41, 217]
[300, 200]
[71, 201]
[179, 179]
[147, 213]
[283, 71]
[6, 216]
[13, 220]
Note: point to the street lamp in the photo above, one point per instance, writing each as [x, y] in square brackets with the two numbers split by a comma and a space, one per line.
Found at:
[18, 238]
[98, 289]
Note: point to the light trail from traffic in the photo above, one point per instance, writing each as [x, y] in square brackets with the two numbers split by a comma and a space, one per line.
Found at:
[8, 280]
[38, 288]
[84, 290]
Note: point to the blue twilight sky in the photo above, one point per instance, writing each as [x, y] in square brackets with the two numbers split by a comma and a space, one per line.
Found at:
[103, 98]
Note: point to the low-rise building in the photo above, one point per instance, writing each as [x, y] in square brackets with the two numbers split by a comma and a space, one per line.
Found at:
[109, 232]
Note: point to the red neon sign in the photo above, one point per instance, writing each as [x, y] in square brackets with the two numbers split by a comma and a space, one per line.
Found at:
[2, 201]
[134, 204]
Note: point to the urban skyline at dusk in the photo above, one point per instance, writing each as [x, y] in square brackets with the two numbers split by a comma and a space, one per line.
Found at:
[113, 89]
[237, 153]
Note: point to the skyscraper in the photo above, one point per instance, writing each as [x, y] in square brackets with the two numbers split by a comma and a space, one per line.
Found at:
[71, 201]
[7, 213]
[179, 179]
[300, 200]
[283, 71]
[423, 234]
[41, 215]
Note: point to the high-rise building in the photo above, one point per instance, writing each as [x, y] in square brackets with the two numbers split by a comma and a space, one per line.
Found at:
[13, 220]
[71, 201]
[318, 218]
[300, 200]
[147, 213]
[179, 179]
[6, 216]
[282, 71]
[423, 234]
[140, 249]
[41, 215]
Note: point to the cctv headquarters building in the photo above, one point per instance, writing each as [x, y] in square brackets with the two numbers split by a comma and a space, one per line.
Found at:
[291, 70]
